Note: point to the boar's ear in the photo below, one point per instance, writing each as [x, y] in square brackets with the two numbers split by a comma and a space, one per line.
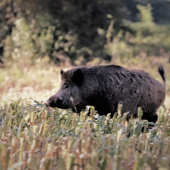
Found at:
[77, 77]
[61, 72]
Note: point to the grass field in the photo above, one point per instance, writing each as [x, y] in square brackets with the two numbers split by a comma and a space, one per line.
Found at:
[34, 137]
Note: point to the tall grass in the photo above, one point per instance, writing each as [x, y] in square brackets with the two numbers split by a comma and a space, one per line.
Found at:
[34, 137]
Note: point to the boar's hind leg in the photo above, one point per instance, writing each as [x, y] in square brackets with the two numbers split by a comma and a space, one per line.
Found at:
[150, 117]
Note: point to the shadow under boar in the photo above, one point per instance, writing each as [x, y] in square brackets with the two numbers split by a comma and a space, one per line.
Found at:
[105, 86]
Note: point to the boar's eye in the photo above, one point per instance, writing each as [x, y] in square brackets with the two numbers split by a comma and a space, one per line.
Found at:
[65, 86]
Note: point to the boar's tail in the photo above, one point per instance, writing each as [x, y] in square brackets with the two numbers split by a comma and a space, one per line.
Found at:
[162, 73]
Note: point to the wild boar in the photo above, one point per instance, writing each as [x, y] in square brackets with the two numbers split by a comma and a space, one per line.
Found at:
[104, 87]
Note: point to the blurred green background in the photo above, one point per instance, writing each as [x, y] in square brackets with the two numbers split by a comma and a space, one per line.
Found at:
[37, 38]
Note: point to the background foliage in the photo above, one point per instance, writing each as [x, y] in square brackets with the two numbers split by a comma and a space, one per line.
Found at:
[72, 31]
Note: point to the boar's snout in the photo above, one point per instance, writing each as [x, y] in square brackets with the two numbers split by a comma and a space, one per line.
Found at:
[54, 101]
[47, 103]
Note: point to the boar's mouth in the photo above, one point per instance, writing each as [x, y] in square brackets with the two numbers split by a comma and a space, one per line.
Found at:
[78, 109]
[54, 102]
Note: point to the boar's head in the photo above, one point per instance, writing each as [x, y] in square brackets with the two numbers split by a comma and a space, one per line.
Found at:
[69, 94]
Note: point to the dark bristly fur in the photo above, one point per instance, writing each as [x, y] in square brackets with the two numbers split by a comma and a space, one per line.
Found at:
[106, 86]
